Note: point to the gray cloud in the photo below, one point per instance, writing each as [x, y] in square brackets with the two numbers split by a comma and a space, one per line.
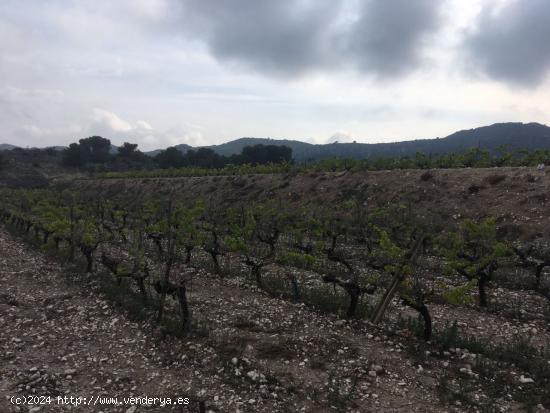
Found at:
[291, 37]
[388, 37]
[285, 38]
[511, 42]
[188, 68]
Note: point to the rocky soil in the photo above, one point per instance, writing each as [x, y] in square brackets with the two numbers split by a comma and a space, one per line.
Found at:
[517, 197]
[59, 336]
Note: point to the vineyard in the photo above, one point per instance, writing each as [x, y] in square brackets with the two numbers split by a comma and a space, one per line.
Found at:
[474, 158]
[366, 303]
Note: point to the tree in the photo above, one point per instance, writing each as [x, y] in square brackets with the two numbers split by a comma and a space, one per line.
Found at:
[264, 154]
[73, 156]
[94, 149]
[422, 161]
[505, 156]
[204, 158]
[170, 158]
[128, 150]
[476, 157]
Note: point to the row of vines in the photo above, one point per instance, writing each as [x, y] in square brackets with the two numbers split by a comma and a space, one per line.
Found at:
[159, 245]
[474, 158]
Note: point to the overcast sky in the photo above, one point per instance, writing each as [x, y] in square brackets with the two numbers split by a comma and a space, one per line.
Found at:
[163, 72]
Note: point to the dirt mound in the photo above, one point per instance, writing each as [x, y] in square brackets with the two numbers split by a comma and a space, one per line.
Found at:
[516, 197]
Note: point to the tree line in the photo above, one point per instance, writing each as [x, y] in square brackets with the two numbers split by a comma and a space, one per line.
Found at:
[474, 158]
[98, 151]
[96, 154]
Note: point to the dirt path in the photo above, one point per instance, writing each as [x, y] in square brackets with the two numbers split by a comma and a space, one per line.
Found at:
[256, 353]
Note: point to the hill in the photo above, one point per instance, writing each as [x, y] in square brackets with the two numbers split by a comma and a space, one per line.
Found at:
[9, 147]
[513, 135]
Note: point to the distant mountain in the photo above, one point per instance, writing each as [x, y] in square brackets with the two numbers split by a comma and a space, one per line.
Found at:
[515, 135]
[56, 148]
[9, 147]
[113, 150]
[512, 135]
[6, 147]
[182, 147]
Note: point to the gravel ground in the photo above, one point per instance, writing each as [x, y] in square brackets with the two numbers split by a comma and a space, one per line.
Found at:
[59, 337]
